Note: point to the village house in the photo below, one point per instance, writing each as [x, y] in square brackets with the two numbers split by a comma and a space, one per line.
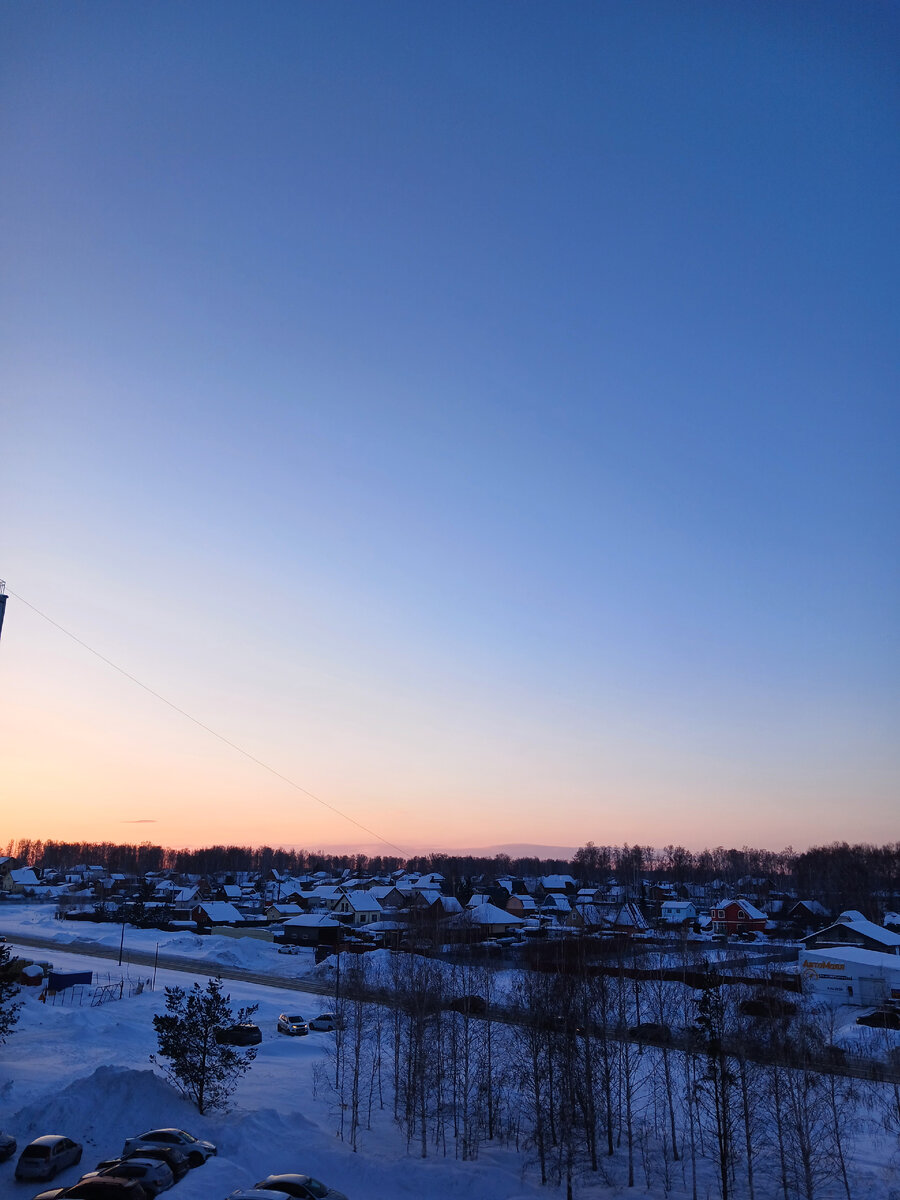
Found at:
[737, 916]
[19, 880]
[215, 912]
[360, 907]
[282, 912]
[521, 906]
[312, 929]
[852, 929]
[485, 921]
[678, 912]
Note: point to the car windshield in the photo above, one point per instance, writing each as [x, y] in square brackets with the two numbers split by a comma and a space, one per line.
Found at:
[316, 1188]
[36, 1152]
[296, 1020]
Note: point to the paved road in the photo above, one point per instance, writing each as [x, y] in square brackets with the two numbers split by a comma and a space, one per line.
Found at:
[173, 962]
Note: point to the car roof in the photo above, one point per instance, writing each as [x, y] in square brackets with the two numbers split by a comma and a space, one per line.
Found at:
[48, 1139]
[301, 1179]
[151, 1132]
[259, 1194]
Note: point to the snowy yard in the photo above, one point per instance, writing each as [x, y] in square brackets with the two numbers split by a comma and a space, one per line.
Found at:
[85, 1072]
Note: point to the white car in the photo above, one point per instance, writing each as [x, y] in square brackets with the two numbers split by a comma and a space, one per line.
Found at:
[324, 1023]
[197, 1152]
[46, 1156]
[294, 1026]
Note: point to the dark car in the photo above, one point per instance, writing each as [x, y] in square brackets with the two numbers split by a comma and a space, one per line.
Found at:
[176, 1160]
[98, 1189]
[239, 1035]
[301, 1187]
[770, 1007]
[475, 1005]
[882, 1018]
[7, 1146]
[650, 1031]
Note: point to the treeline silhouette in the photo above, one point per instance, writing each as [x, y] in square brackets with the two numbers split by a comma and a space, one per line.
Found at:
[841, 875]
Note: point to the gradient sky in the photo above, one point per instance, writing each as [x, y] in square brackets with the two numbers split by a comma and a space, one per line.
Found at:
[485, 413]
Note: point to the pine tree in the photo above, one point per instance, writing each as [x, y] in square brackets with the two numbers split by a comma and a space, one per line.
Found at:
[9, 1005]
[203, 1070]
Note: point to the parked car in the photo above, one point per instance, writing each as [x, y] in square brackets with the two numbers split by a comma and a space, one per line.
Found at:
[239, 1035]
[197, 1151]
[299, 1187]
[474, 1005]
[46, 1156]
[257, 1194]
[153, 1176]
[325, 1023]
[7, 1146]
[289, 949]
[294, 1026]
[880, 1018]
[650, 1031]
[95, 1188]
[175, 1159]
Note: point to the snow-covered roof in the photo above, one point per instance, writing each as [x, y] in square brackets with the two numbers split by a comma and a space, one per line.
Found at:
[361, 902]
[752, 912]
[858, 924]
[855, 954]
[490, 914]
[220, 912]
[314, 921]
[556, 882]
[23, 876]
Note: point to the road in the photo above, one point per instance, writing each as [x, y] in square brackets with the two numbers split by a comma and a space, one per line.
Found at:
[860, 1068]
[173, 962]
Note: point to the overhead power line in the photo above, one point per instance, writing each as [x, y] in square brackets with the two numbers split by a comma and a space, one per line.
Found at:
[208, 729]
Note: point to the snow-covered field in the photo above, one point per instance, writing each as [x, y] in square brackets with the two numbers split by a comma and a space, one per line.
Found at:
[245, 953]
[86, 1072]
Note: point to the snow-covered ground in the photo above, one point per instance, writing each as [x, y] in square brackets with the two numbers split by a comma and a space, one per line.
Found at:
[245, 953]
[86, 1072]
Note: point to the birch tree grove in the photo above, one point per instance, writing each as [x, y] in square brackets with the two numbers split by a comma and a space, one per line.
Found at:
[599, 1076]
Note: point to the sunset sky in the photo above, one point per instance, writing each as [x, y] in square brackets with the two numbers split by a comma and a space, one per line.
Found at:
[486, 414]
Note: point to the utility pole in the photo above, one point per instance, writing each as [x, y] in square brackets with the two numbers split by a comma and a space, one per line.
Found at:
[122, 941]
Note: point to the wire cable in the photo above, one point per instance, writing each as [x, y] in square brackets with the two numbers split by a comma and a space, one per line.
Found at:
[234, 746]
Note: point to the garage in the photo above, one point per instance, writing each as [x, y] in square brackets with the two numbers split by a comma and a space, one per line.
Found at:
[851, 975]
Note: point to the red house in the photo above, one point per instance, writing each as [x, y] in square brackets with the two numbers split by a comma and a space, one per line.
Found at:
[737, 916]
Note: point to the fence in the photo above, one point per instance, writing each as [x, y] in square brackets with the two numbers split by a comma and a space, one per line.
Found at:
[99, 992]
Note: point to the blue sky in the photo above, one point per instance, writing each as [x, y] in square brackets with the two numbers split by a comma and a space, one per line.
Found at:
[486, 413]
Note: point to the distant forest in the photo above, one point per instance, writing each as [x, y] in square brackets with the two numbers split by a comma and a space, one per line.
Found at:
[839, 875]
